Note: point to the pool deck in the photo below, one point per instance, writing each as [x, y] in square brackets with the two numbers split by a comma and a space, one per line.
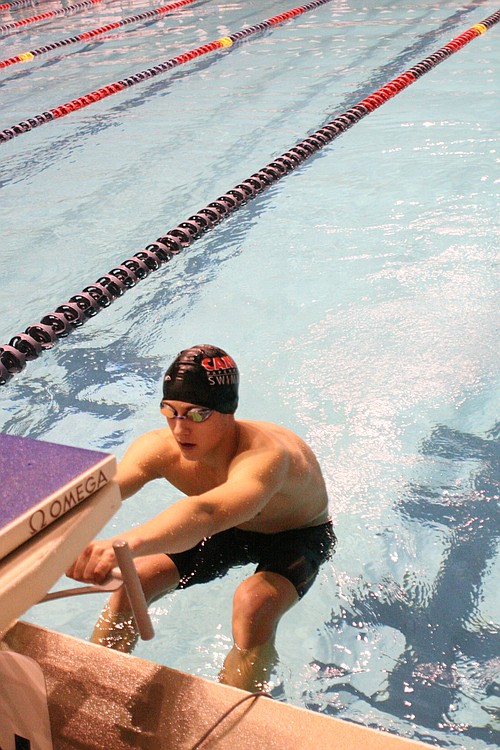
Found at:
[100, 699]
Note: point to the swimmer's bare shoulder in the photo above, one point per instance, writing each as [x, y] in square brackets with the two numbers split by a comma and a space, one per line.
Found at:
[302, 499]
[271, 436]
[145, 459]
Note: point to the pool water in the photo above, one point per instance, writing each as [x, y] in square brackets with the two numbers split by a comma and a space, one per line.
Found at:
[359, 296]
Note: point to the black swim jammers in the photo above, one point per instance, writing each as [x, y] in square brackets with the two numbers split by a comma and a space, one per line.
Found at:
[296, 555]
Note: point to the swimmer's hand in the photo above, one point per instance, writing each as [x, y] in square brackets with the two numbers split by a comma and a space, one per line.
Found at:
[95, 563]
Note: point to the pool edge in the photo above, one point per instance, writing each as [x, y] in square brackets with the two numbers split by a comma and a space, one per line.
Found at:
[102, 699]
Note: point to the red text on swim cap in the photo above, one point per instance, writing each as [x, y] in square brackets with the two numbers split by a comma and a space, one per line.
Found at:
[218, 363]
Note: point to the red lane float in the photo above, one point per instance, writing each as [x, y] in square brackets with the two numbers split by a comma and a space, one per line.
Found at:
[48, 14]
[84, 36]
[16, 4]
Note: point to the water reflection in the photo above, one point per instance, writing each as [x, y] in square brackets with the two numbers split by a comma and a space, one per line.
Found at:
[449, 656]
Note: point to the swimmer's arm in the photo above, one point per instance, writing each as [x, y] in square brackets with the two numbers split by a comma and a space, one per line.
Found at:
[250, 486]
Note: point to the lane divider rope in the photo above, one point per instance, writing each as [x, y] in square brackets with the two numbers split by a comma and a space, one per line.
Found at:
[48, 14]
[81, 307]
[22, 4]
[15, 4]
[86, 35]
[113, 88]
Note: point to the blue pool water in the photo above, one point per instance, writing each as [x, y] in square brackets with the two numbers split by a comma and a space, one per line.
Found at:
[359, 296]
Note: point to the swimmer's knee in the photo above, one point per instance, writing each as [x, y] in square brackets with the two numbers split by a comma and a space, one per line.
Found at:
[251, 597]
[258, 605]
[265, 591]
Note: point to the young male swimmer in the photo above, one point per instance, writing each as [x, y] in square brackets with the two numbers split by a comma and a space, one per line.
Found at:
[253, 493]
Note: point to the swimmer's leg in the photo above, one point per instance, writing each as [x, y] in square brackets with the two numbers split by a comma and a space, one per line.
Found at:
[259, 603]
[115, 627]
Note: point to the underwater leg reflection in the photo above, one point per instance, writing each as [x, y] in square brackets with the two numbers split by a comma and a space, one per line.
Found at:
[115, 627]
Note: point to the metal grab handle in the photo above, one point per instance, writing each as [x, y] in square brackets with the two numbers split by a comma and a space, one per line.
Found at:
[134, 589]
[125, 575]
[113, 582]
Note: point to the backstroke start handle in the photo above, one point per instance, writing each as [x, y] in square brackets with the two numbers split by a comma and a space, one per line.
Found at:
[134, 589]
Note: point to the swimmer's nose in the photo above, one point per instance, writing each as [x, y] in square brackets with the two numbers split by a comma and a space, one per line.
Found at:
[181, 427]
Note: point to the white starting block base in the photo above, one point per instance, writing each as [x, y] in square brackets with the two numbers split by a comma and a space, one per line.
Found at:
[24, 714]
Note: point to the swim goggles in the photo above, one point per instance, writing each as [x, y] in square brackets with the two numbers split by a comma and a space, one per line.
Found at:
[196, 414]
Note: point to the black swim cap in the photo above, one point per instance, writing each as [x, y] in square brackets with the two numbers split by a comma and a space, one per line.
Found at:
[203, 375]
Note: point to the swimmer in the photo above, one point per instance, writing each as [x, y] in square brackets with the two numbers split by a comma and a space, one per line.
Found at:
[252, 492]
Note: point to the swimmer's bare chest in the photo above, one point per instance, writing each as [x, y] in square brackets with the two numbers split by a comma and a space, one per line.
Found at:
[302, 503]
[190, 478]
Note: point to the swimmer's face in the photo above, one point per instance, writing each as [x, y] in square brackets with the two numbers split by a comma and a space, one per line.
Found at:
[196, 429]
